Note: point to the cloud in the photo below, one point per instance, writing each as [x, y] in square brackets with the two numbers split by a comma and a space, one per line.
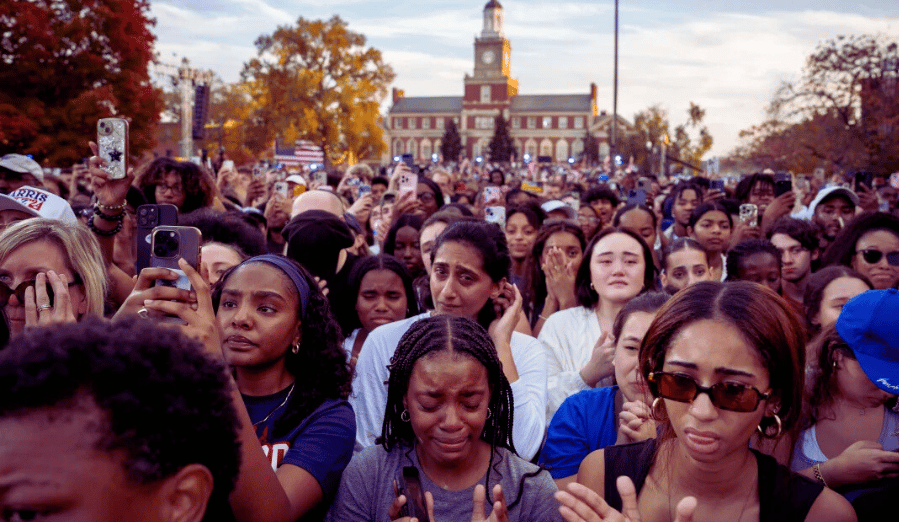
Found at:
[728, 62]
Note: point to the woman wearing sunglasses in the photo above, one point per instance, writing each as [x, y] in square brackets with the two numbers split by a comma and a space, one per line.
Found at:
[723, 362]
[50, 272]
[869, 244]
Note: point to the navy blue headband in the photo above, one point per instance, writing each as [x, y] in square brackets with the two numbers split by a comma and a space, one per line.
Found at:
[291, 270]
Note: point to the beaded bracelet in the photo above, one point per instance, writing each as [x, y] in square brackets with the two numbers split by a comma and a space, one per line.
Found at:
[106, 233]
[111, 207]
[99, 212]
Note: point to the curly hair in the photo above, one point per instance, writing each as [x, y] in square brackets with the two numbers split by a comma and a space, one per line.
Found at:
[197, 184]
[321, 364]
[164, 403]
[230, 228]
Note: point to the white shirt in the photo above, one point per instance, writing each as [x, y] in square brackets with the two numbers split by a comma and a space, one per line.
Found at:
[569, 337]
[369, 398]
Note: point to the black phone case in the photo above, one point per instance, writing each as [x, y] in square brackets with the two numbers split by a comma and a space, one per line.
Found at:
[148, 218]
[415, 500]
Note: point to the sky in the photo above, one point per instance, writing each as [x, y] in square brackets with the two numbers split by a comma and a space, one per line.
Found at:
[727, 57]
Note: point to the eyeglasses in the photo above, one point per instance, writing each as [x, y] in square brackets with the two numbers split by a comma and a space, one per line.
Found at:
[871, 256]
[426, 197]
[724, 395]
[6, 292]
[175, 189]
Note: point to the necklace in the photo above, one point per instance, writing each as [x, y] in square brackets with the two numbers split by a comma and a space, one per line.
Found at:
[278, 407]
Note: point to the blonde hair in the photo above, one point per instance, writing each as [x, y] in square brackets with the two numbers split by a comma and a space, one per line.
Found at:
[79, 247]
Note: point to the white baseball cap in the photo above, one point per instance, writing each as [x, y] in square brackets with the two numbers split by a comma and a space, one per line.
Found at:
[38, 203]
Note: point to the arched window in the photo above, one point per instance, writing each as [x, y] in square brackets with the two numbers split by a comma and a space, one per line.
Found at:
[546, 147]
[426, 149]
[561, 150]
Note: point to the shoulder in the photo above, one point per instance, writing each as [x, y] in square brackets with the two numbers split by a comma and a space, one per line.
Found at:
[830, 506]
[564, 318]
[592, 401]
[335, 410]
[592, 472]
[371, 461]
[382, 341]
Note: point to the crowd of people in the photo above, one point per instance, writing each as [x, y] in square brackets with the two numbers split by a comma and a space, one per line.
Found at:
[445, 343]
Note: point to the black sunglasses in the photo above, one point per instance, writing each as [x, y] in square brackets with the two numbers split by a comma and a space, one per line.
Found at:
[6, 292]
[724, 395]
[871, 256]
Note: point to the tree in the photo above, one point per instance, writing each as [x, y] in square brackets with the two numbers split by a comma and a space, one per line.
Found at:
[451, 144]
[502, 147]
[317, 81]
[688, 143]
[67, 63]
[842, 113]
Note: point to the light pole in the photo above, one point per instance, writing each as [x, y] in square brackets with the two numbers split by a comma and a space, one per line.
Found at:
[614, 141]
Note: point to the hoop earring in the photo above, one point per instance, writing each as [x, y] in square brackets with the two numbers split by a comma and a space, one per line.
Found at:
[763, 432]
[295, 348]
[655, 405]
[404, 416]
[489, 413]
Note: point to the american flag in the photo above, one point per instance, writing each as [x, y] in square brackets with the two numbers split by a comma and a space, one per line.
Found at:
[303, 153]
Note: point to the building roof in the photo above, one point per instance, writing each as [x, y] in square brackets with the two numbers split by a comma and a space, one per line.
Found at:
[451, 104]
[491, 4]
[551, 103]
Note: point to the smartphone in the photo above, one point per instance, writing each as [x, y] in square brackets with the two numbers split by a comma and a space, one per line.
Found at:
[636, 196]
[749, 212]
[495, 214]
[148, 218]
[782, 183]
[171, 243]
[112, 145]
[415, 499]
[364, 189]
[716, 184]
[408, 182]
[228, 164]
[409, 160]
[320, 177]
[281, 188]
[491, 194]
[864, 177]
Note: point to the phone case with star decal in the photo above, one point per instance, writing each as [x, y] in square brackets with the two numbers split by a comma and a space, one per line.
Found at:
[112, 142]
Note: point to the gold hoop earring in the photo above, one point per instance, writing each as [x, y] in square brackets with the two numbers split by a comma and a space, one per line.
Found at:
[655, 407]
[763, 432]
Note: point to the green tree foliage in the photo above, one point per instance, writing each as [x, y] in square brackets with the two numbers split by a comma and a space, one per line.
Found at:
[502, 147]
[317, 81]
[451, 144]
[688, 142]
[842, 113]
[66, 63]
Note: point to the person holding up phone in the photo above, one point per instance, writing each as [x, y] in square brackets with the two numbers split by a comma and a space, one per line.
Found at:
[445, 451]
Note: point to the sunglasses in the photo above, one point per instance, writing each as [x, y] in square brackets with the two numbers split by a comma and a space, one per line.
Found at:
[19, 291]
[872, 256]
[724, 395]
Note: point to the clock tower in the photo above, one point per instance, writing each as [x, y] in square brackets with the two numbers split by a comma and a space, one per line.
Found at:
[491, 49]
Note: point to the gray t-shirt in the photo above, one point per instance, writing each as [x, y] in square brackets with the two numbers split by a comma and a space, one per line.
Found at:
[366, 488]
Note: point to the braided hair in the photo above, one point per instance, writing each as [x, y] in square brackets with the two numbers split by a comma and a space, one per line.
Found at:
[458, 335]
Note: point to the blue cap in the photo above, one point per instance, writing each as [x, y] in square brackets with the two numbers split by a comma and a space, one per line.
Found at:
[868, 324]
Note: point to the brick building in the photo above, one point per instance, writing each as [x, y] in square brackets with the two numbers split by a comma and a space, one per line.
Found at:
[553, 125]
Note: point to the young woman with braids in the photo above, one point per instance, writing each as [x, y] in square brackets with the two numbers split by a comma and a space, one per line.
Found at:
[723, 361]
[448, 418]
[267, 318]
[469, 278]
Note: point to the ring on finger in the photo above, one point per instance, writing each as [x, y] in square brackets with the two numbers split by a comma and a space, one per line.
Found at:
[43, 307]
[143, 313]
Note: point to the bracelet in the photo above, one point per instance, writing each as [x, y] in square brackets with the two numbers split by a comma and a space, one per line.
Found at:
[816, 469]
[108, 217]
[106, 233]
[111, 207]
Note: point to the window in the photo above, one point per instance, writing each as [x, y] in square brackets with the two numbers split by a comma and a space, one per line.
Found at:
[397, 123]
[426, 123]
[563, 122]
[485, 93]
[426, 149]
[516, 123]
[483, 122]
[411, 123]
[561, 150]
[440, 123]
[547, 122]
[578, 122]
[532, 122]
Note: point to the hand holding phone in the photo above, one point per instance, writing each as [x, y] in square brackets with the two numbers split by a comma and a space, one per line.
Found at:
[112, 143]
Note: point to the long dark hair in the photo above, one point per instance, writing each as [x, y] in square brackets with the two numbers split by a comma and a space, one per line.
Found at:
[536, 286]
[321, 366]
[379, 262]
[489, 240]
[842, 250]
[814, 292]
